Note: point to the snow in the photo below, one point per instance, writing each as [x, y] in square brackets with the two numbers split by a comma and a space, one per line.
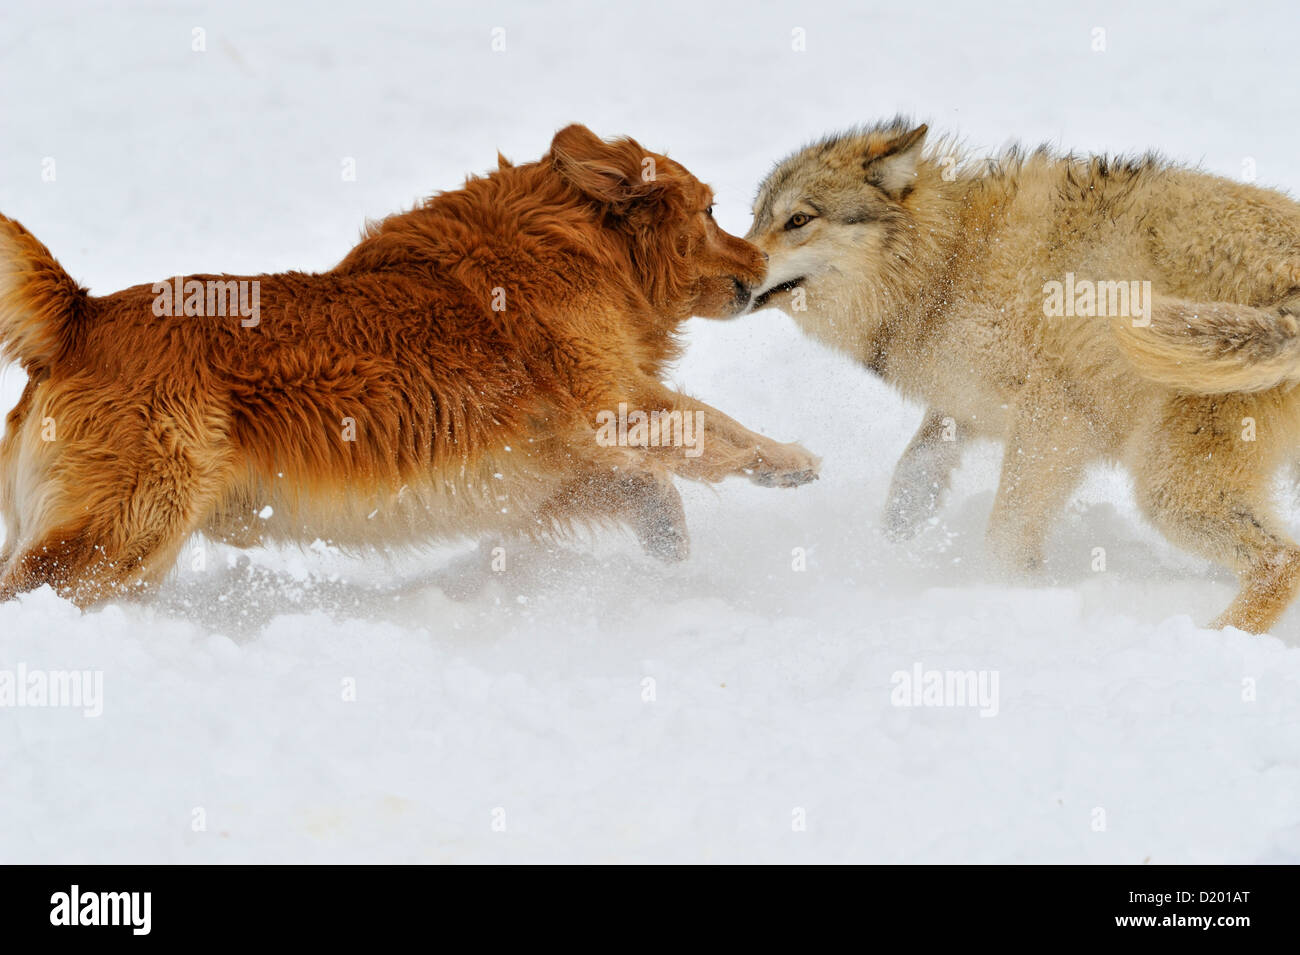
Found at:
[587, 703]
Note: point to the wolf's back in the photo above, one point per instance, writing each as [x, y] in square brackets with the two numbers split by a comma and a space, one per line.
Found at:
[40, 303]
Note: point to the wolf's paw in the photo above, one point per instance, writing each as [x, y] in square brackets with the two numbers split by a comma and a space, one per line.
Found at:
[903, 521]
[1017, 561]
[907, 511]
[784, 465]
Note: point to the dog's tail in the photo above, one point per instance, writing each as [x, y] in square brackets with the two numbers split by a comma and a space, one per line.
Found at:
[40, 303]
[1214, 348]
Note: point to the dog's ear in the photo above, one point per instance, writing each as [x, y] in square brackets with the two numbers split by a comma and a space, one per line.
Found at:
[891, 163]
[610, 172]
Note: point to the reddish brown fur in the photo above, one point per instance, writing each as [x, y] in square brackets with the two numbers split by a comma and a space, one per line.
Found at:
[468, 421]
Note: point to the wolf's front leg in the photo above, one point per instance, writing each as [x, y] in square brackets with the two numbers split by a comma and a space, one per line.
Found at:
[1043, 463]
[922, 475]
[717, 445]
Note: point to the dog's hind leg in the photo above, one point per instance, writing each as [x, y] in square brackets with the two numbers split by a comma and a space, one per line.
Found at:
[115, 551]
[64, 558]
[1208, 489]
[922, 475]
[119, 551]
[16, 446]
[106, 506]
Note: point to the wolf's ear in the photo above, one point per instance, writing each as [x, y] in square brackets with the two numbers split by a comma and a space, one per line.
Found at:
[891, 163]
[606, 171]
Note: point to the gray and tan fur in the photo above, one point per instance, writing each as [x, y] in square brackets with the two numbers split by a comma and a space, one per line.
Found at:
[932, 269]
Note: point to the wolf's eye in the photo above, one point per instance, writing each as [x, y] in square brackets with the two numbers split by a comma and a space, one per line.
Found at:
[798, 221]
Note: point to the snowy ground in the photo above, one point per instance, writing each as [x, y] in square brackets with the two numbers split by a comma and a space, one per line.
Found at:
[514, 725]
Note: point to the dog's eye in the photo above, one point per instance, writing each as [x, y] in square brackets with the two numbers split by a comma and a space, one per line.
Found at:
[798, 221]
[709, 212]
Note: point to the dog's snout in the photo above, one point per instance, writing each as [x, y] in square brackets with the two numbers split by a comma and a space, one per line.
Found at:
[744, 292]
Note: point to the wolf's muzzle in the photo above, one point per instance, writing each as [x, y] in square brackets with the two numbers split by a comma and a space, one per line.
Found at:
[786, 286]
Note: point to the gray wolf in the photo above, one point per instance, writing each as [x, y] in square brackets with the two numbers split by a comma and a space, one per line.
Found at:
[1074, 308]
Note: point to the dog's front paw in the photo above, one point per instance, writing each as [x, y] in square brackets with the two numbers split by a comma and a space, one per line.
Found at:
[668, 544]
[784, 465]
[664, 536]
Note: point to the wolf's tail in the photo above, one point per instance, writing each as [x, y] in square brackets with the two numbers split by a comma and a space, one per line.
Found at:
[40, 304]
[1214, 348]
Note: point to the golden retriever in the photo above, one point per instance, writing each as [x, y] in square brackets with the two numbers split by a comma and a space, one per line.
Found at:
[457, 375]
